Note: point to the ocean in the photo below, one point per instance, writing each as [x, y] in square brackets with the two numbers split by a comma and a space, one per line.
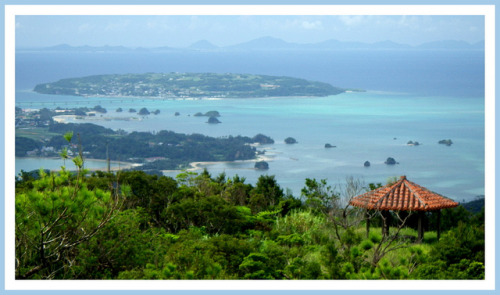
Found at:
[423, 96]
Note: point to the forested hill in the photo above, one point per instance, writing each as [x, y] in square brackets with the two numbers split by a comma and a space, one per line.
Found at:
[161, 150]
[184, 85]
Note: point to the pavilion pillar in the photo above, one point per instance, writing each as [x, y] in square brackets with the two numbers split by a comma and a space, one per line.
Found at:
[438, 224]
[385, 221]
[367, 216]
[420, 227]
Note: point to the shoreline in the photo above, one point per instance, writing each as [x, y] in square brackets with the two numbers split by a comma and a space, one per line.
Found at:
[130, 97]
[115, 165]
[119, 165]
[68, 118]
[199, 164]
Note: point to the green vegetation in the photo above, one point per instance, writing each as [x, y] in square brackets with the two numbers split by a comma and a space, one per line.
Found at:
[261, 165]
[208, 114]
[183, 85]
[131, 225]
[160, 151]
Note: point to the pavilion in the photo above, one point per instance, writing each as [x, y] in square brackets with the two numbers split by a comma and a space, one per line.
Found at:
[404, 195]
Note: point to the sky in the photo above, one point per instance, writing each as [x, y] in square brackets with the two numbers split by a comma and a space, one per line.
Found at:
[182, 31]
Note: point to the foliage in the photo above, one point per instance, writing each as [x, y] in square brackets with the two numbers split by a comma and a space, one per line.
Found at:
[132, 225]
[56, 214]
[188, 84]
[173, 150]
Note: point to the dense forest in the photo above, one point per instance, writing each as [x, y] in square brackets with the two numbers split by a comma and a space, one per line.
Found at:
[133, 225]
[171, 150]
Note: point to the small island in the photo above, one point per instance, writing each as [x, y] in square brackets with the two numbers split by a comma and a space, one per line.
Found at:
[290, 140]
[327, 146]
[367, 164]
[213, 120]
[446, 142]
[390, 161]
[262, 139]
[188, 85]
[261, 165]
[207, 114]
[144, 112]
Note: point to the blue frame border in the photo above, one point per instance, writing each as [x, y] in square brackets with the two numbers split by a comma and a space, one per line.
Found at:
[3, 3]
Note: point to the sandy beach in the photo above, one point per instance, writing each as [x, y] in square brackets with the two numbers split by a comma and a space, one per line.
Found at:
[115, 165]
[73, 118]
[195, 166]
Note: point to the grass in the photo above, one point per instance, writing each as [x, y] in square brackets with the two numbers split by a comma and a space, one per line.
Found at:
[38, 134]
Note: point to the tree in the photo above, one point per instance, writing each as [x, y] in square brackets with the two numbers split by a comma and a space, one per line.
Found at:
[266, 193]
[319, 196]
[55, 216]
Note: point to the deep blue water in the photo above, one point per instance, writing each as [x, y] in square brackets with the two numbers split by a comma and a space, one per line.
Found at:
[422, 96]
[434, 73]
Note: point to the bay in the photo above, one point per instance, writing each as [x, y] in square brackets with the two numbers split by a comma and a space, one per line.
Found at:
[412, 95]
[366, 126]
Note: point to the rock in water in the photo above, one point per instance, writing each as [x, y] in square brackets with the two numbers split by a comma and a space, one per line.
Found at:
[213, 120]
[261, 165]
[447, 142]
[390, 161]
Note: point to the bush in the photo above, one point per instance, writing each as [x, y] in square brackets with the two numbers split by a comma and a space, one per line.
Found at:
[366, 245]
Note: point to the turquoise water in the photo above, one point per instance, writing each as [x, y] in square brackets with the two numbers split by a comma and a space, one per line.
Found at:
[423, 96]
[369, 126]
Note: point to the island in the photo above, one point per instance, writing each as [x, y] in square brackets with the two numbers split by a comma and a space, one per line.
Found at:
[144, 112]
[207, 114]
[290, 140]
[390, 161]
[262, 139]
[446, 142]
[213, 120]
[261, 165]
[188, 85]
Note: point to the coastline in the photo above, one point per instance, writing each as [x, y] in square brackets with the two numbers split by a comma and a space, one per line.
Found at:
[132, 97]
[69, 118]
[121, 165]
[115, 165]
[195, 166]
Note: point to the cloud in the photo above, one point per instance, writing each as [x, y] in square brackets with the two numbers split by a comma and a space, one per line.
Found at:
[316, 25]
[117, 26]
[351, 20]
[84, 28]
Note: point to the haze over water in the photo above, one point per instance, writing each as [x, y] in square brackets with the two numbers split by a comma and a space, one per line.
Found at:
[422, 96]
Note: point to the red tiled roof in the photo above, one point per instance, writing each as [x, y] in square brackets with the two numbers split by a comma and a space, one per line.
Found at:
[404, 195]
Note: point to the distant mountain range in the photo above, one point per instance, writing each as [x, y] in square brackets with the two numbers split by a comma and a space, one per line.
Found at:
[271, 43]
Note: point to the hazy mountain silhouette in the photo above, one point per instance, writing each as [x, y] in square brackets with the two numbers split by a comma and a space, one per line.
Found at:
[271, 43]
